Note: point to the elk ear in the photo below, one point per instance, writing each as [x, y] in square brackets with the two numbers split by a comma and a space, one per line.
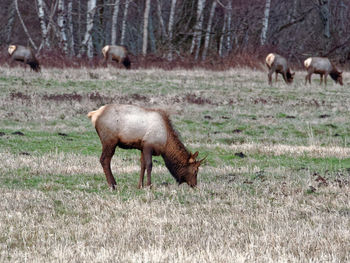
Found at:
[193, 157]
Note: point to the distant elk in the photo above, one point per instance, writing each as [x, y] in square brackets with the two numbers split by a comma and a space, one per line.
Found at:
[24, 54]
[116, 53]
[151, 132]
[324, 67]
[278, 64]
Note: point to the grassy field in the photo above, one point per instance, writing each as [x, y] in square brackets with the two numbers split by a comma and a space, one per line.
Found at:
[275, 187]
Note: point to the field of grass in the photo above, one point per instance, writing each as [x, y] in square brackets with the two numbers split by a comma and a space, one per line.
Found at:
[275, 186]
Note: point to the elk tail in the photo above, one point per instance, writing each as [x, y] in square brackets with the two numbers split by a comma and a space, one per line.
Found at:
[93, 115]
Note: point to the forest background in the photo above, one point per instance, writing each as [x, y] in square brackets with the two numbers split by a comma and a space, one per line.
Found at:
[215, 34]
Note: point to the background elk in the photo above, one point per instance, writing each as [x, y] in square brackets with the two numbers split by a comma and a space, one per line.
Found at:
[116, 53]
[150, 131]
[324, 67]
[278, 64]
[24, 54]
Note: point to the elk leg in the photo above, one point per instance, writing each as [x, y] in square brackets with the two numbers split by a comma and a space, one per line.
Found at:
[147, 151]
[105, 160]
[276, 77]
[142, 173]
[308, 77]
[321, 79]
[270, 76]
[325, 79]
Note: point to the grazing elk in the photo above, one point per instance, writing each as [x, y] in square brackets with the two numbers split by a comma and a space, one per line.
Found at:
[324, 67]
[24, 54]
[278, 64]
[150, 131]
[116, 53]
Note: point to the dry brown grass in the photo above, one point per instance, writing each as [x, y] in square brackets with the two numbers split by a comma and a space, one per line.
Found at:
[254, 209]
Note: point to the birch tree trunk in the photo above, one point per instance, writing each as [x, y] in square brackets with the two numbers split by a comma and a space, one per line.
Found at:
[170, 29]
[70, 27]
[114, 22]
[207, 34]
[228, 26]
[10, 20]
[221, 44]
[87, 41]
[145, 27]
[61, 21]
[196, 41]
[265, 23]
[41, 15]
[125, 16]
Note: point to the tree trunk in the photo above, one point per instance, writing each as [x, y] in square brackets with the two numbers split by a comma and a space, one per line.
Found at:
[41, 15]
[325, 16]
[145, 27]
[61, 21]
[160, 18]
[114, 22]
[221, 44]
[87, 42]
[10, 20]
[125, 16]
[152, 37]
[24, 26]
[170, 29]
[70, 27]
[196, 41]
[265, 23]
[228, 26]
[207, 34]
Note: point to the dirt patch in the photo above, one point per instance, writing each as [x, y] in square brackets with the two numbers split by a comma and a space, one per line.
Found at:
[194, 99]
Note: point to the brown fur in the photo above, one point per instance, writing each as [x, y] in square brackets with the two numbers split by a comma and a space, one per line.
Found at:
[179, 161]
[278, 64]
[24, 54]
[117, 53]
[323, 67]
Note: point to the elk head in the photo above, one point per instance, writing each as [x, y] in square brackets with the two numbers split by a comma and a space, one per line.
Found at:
[192, 169]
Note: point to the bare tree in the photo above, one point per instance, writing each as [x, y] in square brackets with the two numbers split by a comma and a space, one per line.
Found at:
[10, 20]
[160, 18]
[325, 16]
[207, 34]
[228, 36]
[70, 27]
[145, 27]
[265, 23]
[196, 41]
[41, 15]
[24, 26]
[125, 16]
[170, 28]
[114, 22]
[87, 42]
[221, 44]
[61, 21]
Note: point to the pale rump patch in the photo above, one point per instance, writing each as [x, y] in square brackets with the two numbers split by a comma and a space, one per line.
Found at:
[105, 50]
[11, 49]
[270, 59]
[307, 62]
[95, 114]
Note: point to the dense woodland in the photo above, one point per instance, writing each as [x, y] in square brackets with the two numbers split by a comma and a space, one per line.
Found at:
[229, 32]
